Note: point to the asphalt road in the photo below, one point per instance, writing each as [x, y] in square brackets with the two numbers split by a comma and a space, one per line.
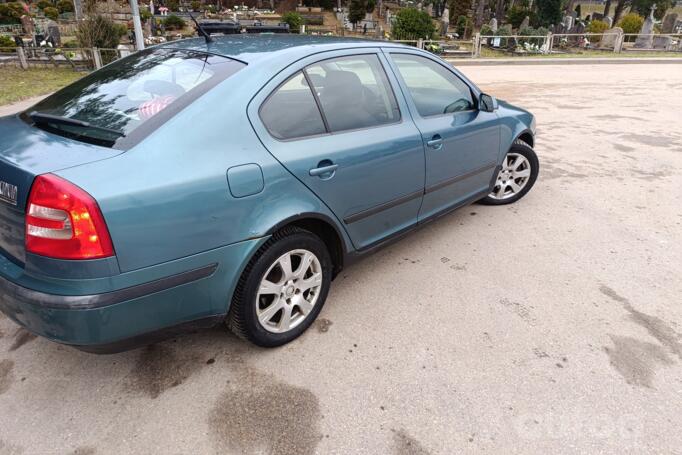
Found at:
[551, 325]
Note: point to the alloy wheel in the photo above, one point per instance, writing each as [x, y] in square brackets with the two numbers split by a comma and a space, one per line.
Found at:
[512, 178]
[288, 291]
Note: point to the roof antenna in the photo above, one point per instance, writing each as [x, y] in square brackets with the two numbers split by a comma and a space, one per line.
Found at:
[201, 31]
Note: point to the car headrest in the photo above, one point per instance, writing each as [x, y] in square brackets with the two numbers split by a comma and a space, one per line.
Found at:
[346, 79]
[163, 88]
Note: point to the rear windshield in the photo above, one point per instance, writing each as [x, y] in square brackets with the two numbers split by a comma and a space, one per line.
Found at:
[109, 106]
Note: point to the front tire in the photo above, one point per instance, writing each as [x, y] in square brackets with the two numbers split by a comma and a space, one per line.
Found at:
[282, 289]
[517, 176]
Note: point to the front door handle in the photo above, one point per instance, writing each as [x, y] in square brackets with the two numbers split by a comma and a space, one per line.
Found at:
[325, 169]
[436, 142]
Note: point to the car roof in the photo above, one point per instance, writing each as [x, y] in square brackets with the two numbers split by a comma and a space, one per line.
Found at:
[251, 47]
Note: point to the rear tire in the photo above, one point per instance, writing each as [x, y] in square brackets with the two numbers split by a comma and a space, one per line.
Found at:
[517, 176]
[282, 289]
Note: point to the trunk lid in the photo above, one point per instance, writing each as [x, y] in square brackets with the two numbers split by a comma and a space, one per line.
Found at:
[25, 152]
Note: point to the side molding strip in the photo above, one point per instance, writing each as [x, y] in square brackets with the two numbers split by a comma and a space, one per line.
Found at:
[458, 178]
[381, 207]
[401, 200]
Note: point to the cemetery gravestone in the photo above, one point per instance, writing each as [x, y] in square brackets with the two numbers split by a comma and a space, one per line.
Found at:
[525, 23]
[645, 39]
[609, 38]
[664, 43]
[568, 22]
[27, 25]
[669, 22]
[53, 32]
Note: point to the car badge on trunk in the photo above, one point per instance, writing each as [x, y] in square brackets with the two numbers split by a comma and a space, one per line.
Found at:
[8, 192]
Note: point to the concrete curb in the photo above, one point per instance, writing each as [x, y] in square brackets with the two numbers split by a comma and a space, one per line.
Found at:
[10, 109]
[561, 61]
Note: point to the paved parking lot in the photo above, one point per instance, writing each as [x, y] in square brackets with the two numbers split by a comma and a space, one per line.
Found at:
[551, 325]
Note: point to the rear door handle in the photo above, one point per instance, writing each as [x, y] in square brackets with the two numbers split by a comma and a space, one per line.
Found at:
[322, 171]
[436, 142]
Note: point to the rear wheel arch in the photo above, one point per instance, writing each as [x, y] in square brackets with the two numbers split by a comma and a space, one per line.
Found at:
[325, 229]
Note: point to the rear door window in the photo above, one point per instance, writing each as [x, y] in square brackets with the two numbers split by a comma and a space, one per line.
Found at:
[354, 92]
[112, 103]
[291, 111]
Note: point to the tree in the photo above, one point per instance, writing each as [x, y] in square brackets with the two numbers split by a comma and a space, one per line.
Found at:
[549, 12]
[517, 14]
[620, 7]
[459, 8]
[607, 8]
[499, 10]
[42, 4]
[6, 43]
[51, 13]
[410, 23]
[631, 23]
[174, 22]
[173, 5]
[643, 7]
[10, 13]
[65, 6]
[356, 11]
[480, 7]
[294, 20]
[597, 26]
[99, 31]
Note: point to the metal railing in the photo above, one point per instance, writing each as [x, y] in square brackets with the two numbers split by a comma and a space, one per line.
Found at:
[76, 58]
[478, 46]
[444, 48]
[565, 43]
[11, 29]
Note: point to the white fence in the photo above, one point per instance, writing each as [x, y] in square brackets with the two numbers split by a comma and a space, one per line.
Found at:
[478, 46]
[566, 43]
[76, 58]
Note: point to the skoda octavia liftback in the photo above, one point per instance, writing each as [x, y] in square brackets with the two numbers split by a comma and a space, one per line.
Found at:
[227, 182]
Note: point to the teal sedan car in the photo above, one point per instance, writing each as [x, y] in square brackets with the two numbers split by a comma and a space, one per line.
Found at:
[228, 182]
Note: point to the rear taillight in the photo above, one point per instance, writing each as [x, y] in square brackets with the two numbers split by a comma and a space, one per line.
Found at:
[64, 222]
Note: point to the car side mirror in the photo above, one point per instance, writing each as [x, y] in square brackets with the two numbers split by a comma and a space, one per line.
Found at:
[487, 103]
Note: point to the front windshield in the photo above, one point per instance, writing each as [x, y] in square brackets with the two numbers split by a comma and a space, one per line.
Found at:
[120, 97]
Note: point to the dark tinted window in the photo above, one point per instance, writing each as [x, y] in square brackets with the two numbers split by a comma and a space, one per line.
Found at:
[291, 111]
[354, 92]
[434, 89]
[127, 93]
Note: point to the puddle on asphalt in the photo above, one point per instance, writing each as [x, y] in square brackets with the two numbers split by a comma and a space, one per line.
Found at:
[637, 360]
[404, 444]
[258, 413]
[6, 376]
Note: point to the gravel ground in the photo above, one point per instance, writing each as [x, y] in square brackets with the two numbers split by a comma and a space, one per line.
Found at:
[550, 325]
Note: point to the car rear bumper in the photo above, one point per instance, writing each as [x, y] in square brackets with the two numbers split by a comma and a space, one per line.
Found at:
[130, 316]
